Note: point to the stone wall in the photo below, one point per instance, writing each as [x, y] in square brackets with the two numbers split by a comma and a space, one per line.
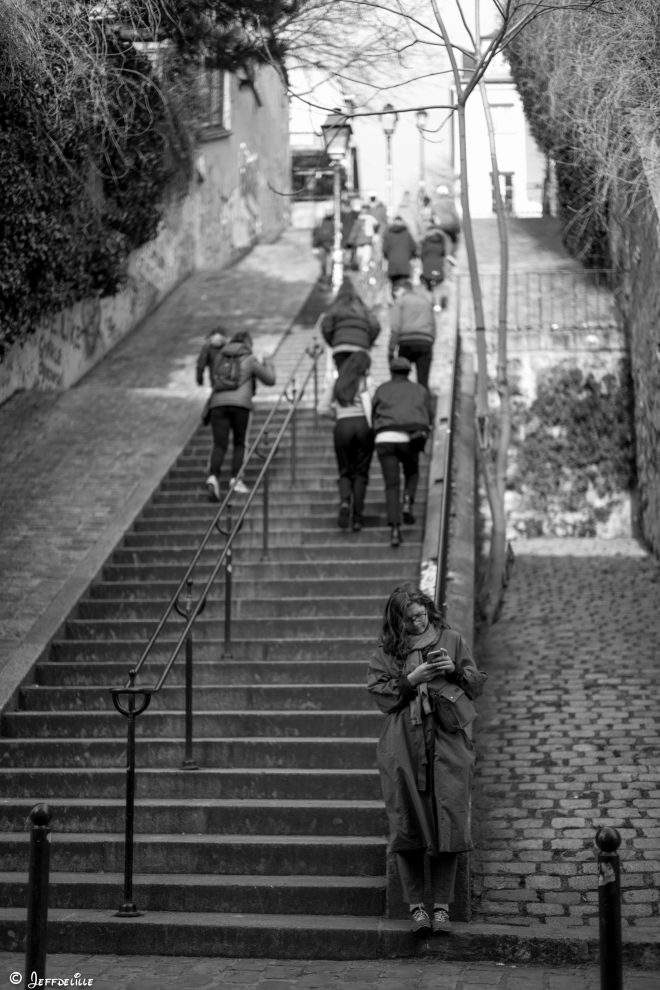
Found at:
[636, 248]
[234, 201]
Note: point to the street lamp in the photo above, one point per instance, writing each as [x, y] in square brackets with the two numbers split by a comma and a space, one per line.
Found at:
[388, 119]
[336, 136]
[421, 117]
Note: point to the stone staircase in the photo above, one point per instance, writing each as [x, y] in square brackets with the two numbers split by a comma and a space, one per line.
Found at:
[275, 846]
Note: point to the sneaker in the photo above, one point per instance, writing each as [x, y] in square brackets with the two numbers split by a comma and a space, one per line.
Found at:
[344, 515]
[441, 922]
[213, 488]
[239, 486]
[357, 524]
[407, 511]
[395, 538]
[421, 923]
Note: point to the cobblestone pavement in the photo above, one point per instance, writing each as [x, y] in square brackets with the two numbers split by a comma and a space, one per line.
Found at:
[569, 737]
[182, 973]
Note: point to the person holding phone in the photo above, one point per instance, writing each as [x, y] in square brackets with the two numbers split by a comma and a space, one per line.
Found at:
[423, 678]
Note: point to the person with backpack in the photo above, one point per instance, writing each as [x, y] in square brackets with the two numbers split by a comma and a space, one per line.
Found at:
[233, 372]
[433, 251]
[323, 240]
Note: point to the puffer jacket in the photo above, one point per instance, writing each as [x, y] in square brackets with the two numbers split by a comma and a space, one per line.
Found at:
[411, 319]
[399, 248]
[350, 324]
[401, 405]
[251, 370]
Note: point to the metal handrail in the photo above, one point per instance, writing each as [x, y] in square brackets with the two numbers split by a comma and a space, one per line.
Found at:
[139, 698]
[445, 504]
[314, 352]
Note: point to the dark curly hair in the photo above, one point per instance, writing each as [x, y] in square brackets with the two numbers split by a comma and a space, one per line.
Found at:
[351, 373]
[394, 634]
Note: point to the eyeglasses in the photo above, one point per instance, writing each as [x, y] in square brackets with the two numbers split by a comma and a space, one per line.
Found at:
[415, 615]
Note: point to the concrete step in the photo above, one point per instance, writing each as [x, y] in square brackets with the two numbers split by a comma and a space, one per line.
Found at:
[162, 892]
[128, 651]
[165, 724]
[204, 816]
[299, 753]
[356, 627]
[261, 855]
[256, 674]
[214, 697]
[290, 519]
[340, 551]
[251, 537]
[263, 607]
[178, 784]
[308, 936]
[397, 568]
[243, 588]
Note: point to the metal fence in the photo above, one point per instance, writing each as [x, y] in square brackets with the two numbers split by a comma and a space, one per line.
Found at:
[545, 300]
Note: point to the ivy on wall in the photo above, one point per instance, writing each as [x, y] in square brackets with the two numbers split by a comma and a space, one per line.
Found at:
[77, 195]
[573, 448]
[94, 139]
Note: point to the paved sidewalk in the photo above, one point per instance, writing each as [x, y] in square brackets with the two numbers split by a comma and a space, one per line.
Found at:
[178, 973]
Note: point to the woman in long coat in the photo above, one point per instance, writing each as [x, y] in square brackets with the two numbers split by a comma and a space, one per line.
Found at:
[423, 677]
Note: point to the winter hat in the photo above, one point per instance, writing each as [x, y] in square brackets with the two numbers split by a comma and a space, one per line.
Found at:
[400, 366]
[218, 337]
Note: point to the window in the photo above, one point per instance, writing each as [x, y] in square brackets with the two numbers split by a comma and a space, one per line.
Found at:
[214, 99]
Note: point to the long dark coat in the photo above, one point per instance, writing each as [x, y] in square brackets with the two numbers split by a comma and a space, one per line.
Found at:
[425, 771]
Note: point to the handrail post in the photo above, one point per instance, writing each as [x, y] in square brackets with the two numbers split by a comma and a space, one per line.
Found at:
[608, 841]
[226, 652]
[314, 353]
[265, 554]
[37, 908]
[128, 908]
[294, 434]
[184, 612]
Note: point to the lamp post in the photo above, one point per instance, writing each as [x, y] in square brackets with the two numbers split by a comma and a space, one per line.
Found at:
[336, 136]
[421, 117]
[388, 119]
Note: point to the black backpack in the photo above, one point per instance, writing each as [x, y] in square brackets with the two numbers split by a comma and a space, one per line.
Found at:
[226, 372]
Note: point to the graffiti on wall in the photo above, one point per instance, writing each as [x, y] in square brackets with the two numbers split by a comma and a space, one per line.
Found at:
[240, 221]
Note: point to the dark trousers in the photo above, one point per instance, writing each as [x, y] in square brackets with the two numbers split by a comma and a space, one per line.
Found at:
[226, 420]
[443, 875]
[420, 355]
[354, 447]
[393, 457]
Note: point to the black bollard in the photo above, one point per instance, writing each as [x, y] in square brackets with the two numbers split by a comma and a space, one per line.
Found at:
[37, 907]
[608, 841]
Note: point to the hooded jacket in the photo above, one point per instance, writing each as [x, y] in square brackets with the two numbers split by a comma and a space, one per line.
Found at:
[411, 319]
[399, 248]
[251, 370]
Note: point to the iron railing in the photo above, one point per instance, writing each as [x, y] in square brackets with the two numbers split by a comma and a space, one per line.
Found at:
[131, 700]
[445, 504]
[546, 300]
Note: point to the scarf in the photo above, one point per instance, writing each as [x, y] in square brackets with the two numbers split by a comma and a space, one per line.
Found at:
[421, 703]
